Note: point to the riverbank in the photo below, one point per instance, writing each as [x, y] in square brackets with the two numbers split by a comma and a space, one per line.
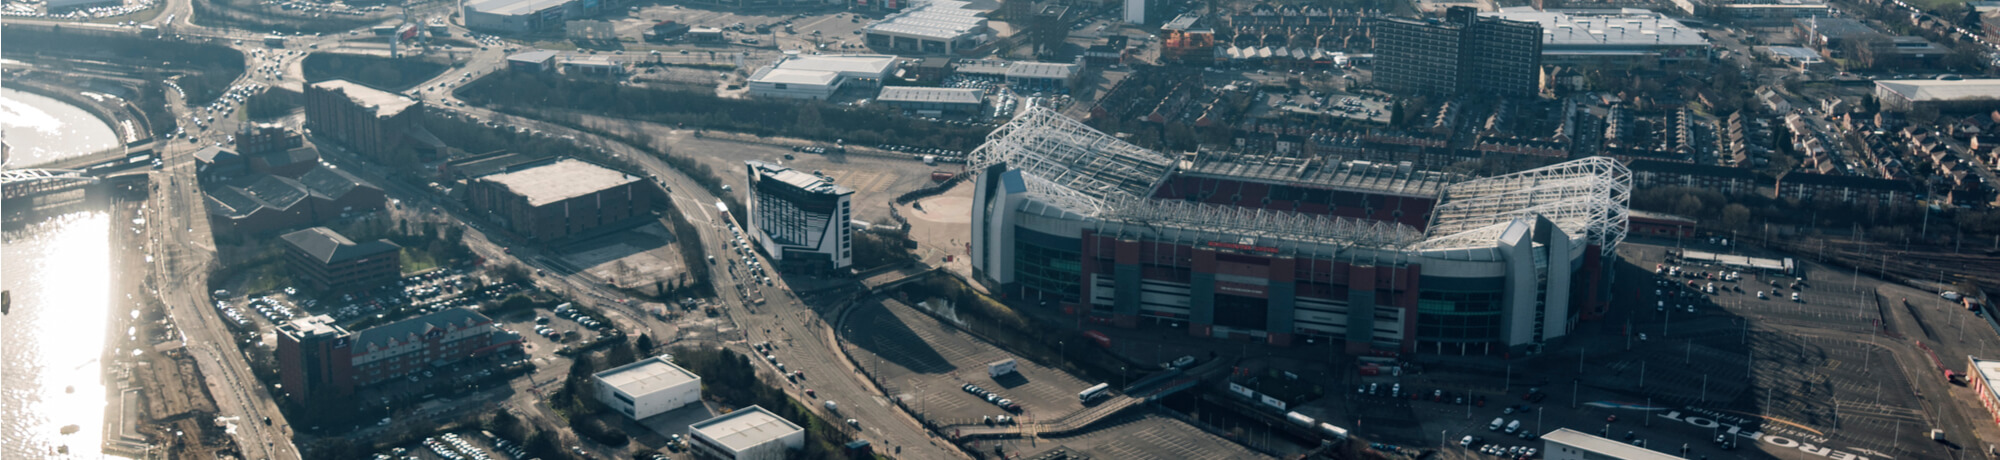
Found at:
[116, 114]
[125, 345]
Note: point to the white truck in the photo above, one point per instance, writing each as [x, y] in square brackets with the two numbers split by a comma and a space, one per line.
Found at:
[998, 368]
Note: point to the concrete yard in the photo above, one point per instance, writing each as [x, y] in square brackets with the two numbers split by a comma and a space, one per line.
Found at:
[875, 180]
[1137, 435]
[632, 259]
[940, 224]
[927, 363]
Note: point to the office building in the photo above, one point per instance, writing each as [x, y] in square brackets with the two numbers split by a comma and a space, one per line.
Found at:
[1568, 444]
[371, 122]
[799, 219]
[750, 433]
[1464, 53]
[819, 77]
[258, 202]
[330, 262]
[560, 197]
[317, 358]
[647, 388]
[1287, 249]
[261, 138]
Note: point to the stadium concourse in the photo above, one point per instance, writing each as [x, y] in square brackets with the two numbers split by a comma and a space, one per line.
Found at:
[1383, 258]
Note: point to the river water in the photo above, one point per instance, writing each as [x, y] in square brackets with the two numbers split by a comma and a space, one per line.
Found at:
[39, 129]
[58, 274]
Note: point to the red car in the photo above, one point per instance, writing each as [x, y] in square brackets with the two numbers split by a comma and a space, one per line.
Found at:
[810, 394]
[1611, 419]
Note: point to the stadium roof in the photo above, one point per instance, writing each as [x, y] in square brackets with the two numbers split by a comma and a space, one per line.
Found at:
[512, 7]
[942, 95]
[646, 376]
[745, 428]
[386, 104]
[1587, 198]
[328, 247]
[1080, 172]
[944, 20]
[1943, 90]
[559, 180]
[1625, 28]
[1604, 447]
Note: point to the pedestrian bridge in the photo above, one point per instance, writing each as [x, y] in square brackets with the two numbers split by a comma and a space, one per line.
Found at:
[16, 183]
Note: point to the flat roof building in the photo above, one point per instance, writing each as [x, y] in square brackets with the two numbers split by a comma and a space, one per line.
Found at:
[1611, 37]
[1972, 95]
[939, 100]
[515, 15]
[330, 261]
[750, 433]
[1465, 53]
[647, 388]
[820, 76]
[1981, 374]
[591, 66]
[933, 27]
[532, 61]
[801, 220]
[1568, 444]
[559, 197]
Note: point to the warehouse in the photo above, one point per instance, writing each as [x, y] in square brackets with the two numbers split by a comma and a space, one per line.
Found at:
[1620, 38]
[1568, 444]
[820, 76]
[1948, 96]
[937, 27]
[532, 61]
[1246, 247]
[1023, 76]
[558, 198]
[515, 15]
[646, 388]
[750, 433]
[933, 101]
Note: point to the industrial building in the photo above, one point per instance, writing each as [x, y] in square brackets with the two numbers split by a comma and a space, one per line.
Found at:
[820, 76]
[515, 15]
[750, 433]
[801, 220]
[1625, 38]
[591, 66]
[933, 27]
[1568, 444]
[319, 359]
[1022, 76]
[532, 61]
[647, 387]
[1981, 375]
[1382, 257]
[372, 122]
[1948, 96]
[329, 261]
[259, 202]
[1465, 53]
[559, 197]
[933, 101]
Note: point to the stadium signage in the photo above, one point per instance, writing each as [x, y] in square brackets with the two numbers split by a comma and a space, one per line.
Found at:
[1242, 247]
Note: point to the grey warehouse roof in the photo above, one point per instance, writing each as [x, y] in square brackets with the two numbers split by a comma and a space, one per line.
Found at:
[512, 7]
[920, 94]
[560, 180]
[1602, 446]
[1627, 27]
[745, 428]
[936, 19]
[646, 376]
[1943, 90]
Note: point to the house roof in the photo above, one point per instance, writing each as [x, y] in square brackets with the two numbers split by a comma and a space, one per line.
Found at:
[1691, 169]
[329, 247]
[1854, 182]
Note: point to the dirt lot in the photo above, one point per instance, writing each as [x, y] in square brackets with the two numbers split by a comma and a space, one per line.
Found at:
[633, 259]
[875, 181]
[941, 224]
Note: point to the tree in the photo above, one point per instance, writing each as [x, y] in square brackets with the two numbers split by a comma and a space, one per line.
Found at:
[1735, 216]
[1688, 205]
[644, 344]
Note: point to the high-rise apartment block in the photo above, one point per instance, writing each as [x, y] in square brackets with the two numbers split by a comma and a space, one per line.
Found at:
[1464, 53]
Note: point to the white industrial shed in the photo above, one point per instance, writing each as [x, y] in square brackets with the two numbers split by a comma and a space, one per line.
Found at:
[819, 76]
[647, 388]
[937, 27]
[750, 433]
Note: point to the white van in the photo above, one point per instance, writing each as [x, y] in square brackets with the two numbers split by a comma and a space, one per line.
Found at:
[1513, 427]
[1497, 422]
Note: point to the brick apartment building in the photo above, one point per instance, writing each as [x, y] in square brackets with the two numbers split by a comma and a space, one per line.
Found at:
[1853, 190]
[552, 199]
[372, 122]
[330, 261]
[1726, 180]
[318, 358]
